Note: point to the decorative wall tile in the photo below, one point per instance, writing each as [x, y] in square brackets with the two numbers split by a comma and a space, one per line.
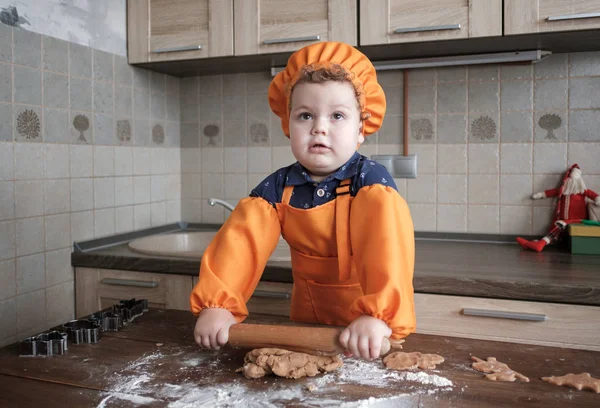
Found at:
[5, 83]
[27, 48]
[551, 94]
[27, 85]
[81, 127]
[27, 122]
[483, 127]
[80, 60]
[123, 131]
[210, 134]
[6, 125]
[158, 134]
[55, 55]
[421, 128]
[550, 126]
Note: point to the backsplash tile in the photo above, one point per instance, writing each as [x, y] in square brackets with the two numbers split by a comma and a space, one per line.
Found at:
[5, 82]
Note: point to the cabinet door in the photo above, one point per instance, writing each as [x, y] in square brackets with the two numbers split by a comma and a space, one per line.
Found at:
[532, 16]
[166, 30]
[97, 289]
[399, 21]
[268, 26]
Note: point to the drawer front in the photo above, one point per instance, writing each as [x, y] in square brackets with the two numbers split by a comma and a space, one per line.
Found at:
[565, 325]
[530, 16]
[271, 298]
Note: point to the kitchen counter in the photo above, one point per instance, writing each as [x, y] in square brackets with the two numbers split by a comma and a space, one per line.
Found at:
[448, 266]
[154, 362]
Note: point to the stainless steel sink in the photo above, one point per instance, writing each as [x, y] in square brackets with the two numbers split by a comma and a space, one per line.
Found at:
[192, 245]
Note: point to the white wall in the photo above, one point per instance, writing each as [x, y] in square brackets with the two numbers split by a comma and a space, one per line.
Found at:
[99, 24]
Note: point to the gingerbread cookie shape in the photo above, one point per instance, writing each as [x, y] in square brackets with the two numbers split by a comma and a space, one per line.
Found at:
[577, 381]
[400, 360]
[285, 363]
[496, 371]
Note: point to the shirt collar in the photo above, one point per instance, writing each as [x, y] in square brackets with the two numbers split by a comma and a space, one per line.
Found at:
[299, 175]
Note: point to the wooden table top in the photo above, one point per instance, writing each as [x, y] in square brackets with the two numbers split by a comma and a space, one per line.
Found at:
[154, 362]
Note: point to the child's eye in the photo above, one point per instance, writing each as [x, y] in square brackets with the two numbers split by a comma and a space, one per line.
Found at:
[338, 116]
[305, 116]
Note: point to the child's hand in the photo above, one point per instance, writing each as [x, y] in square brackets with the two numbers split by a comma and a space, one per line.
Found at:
[362, 338]
[212, 327]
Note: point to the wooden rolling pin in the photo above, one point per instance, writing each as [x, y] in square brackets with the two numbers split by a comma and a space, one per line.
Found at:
[320, 341]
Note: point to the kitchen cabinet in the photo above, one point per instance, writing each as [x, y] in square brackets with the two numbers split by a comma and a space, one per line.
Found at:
[570, 326]
[533, 16]
[169, 30]
[97, 289]
[269, 26]
[402, 21]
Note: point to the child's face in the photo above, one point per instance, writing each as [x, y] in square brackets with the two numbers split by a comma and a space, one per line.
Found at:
[325, 126]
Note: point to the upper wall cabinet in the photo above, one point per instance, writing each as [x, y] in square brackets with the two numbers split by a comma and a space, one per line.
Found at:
[167, 30]
[400, 21]
[270, 26]
[532, 16]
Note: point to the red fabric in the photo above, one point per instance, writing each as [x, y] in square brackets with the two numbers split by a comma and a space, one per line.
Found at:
[572, 206]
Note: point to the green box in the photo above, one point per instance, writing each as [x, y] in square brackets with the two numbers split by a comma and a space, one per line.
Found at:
[584, 239]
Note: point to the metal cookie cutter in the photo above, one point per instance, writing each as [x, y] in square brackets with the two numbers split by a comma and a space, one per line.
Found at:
[109, 321]
[45, 344]
[83, 331]
[130, 309]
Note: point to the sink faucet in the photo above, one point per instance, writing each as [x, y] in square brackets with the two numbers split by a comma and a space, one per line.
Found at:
[213, 201]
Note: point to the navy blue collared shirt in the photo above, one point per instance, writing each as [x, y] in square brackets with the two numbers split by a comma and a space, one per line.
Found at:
[308, 193]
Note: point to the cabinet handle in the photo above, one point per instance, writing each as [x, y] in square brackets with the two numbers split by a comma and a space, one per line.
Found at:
[572, 16]
[293, 39]
[129, 282]
[267, 294]
[499, 314]
[174, 49]
[430, 28]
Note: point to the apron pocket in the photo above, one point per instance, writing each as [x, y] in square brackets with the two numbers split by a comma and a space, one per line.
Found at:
[331, 303]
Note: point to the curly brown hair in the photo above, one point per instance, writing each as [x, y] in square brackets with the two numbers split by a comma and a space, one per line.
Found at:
[315, 74]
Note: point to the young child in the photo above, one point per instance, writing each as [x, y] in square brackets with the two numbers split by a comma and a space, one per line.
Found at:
[350, 232]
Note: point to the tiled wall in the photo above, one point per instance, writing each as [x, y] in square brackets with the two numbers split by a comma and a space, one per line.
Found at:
[89, 147]
[486, 138]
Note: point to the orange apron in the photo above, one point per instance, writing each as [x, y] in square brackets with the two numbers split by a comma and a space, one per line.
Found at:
[325, 279]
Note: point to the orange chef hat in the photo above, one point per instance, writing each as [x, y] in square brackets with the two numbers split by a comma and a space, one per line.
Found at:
[362, 71]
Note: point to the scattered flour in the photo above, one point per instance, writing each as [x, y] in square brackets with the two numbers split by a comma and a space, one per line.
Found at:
[136, 384]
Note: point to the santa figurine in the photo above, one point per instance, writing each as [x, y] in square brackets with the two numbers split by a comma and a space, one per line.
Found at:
[571, 207]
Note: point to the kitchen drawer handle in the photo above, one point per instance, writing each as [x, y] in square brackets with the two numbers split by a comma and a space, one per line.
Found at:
[499, 314]
[293, 39]
[430, 28]
[129, 282]
[267, 294]
[182, 48]
[572, 16]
